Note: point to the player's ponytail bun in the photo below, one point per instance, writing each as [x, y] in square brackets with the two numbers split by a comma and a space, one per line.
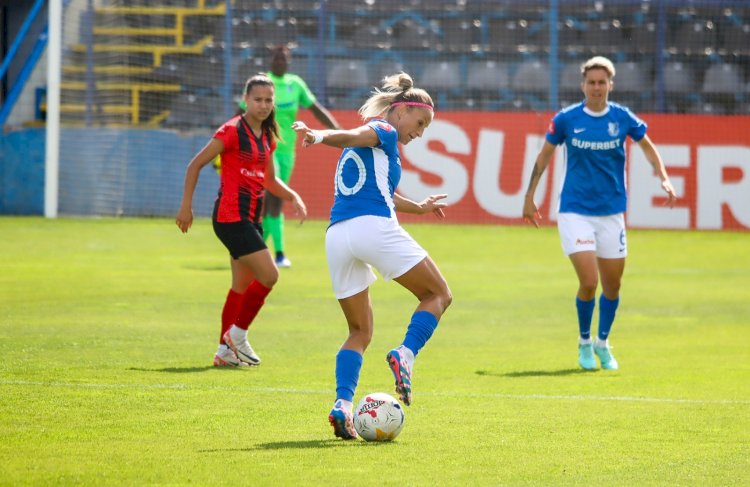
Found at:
[398, 82]
[396, 88]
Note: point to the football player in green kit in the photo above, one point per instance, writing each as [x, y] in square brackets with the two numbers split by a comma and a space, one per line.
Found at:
[291, 94]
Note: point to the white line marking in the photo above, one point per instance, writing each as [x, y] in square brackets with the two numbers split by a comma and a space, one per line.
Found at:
[665, 400]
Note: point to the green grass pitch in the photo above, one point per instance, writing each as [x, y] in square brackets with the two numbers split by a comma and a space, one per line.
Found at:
[108, 328]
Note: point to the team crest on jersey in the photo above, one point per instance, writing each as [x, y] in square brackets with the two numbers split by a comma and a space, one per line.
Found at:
[613, 129]
[385, 126]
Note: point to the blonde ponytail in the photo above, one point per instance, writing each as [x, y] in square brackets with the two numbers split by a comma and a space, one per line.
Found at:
[396, 88]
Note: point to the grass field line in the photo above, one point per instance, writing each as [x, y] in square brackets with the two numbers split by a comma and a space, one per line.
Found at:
[281, 390]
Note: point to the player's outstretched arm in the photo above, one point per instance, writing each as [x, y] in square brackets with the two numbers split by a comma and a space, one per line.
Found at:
[362, 136]
[431, 204]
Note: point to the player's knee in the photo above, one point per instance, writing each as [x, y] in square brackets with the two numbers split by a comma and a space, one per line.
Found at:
[611, 288]
[446, 297]
[588, 287]
[270, 278]
[362, 335]
[587, 290]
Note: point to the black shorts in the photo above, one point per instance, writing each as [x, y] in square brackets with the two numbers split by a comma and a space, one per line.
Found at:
[240, 238]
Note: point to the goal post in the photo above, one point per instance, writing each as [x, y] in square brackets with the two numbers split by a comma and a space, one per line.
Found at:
[52, 136]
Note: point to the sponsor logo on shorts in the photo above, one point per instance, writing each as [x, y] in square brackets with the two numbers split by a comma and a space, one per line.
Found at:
[584, 241]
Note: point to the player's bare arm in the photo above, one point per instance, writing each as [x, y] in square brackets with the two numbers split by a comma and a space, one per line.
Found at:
[530, 210]
[362, 136]
[431, 204]
[654, 158]
[184, 218]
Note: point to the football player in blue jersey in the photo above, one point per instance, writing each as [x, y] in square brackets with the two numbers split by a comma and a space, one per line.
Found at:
[592, 202]
[364, 232]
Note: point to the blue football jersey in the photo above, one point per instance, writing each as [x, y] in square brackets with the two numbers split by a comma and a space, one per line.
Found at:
[366, 177]
[594, 182]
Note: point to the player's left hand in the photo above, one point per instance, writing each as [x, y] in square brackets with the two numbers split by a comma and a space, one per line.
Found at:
[671, 194]
[433, 204]
[307, 136]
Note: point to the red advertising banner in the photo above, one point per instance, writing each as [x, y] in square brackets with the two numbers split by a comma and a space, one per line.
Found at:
[483, 161]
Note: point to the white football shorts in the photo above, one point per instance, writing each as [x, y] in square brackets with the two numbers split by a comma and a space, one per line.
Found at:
[604, 235]
[354, 246]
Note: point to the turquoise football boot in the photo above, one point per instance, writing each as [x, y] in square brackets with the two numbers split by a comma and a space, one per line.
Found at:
[606, 358]
[586, 356]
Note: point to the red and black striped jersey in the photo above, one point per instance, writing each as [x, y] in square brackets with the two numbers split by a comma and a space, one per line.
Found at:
[243, 170]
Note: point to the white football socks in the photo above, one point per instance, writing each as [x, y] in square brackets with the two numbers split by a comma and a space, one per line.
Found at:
[238, 334]
[344, 404]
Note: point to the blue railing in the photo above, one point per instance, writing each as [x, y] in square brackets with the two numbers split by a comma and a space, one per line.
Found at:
[15, 90]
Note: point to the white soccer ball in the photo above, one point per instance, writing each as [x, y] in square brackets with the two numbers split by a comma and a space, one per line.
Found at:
[378, 417]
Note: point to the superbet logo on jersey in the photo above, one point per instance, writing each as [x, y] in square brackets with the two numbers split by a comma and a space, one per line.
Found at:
[551, 128]
[385, 126]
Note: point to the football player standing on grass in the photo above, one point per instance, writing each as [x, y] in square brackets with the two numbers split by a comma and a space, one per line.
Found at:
[246, 144]
[365, 232]
[592, 203]
[291, 94]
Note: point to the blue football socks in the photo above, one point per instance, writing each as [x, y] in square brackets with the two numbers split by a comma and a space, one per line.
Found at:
[348, 364]
[423, 324]
[607, 310]
[585, 314]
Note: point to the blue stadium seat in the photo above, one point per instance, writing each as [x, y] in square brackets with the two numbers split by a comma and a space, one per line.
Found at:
[441, 75]
[724, 87]
[723, 79]
[531, 76]
[633, 77]
[348, 74]
[570, 79]
[487, 76]
[679, 78]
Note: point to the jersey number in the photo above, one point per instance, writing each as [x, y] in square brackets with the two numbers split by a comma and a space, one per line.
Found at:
[341, 186]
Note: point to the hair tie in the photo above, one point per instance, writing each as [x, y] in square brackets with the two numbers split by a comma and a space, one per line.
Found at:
[413, 104]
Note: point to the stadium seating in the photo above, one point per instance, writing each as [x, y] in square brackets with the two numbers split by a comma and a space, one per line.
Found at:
[723, 86]
[470, 53]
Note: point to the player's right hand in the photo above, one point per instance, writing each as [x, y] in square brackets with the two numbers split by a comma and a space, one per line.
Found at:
[184, 219]
[531, 212]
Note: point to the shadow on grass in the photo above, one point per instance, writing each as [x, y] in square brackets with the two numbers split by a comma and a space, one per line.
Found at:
[300, 445]
[206, 267]
[181, 370]
[535, 373]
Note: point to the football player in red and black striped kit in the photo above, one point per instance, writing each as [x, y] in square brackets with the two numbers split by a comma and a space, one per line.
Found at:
[246, 144]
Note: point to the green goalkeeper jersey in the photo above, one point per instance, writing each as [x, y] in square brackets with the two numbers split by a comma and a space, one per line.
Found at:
[291, 93]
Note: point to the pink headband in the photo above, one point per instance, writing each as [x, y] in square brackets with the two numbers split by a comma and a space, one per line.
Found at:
[413, 104]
